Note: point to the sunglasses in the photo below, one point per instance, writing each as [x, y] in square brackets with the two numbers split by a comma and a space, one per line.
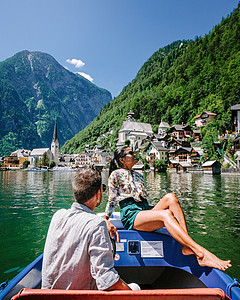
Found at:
[130, 153]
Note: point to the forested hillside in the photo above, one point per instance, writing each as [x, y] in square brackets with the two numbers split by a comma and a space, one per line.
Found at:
[178, 82]
[35, 90]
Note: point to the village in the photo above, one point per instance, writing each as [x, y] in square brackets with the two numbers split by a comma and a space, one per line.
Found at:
[177, 146]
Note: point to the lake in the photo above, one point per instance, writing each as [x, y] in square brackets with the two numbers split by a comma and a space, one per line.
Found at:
[29, 199]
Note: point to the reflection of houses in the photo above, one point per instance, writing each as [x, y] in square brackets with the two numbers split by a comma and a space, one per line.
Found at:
[204, 118]
[37, 154]
[181, 132]
[133, 131]
[212, 167]
[156, 151]
[235, 109]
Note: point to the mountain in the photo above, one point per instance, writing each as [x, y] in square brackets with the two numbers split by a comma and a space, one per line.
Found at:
[34, 91]
[177, 83]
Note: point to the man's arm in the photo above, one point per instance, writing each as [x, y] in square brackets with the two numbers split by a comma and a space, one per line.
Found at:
[119, 285]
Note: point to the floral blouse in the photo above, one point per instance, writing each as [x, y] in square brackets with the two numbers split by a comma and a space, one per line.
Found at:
[123, 184]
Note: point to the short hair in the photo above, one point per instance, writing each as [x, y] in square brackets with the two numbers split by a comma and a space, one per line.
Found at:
[85, 184]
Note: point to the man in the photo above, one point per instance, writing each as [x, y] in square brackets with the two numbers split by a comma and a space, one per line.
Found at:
[78, 252]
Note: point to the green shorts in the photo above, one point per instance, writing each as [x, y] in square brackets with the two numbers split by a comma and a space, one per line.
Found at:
[129, 209]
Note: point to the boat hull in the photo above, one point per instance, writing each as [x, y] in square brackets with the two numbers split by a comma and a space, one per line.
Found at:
[153, 260]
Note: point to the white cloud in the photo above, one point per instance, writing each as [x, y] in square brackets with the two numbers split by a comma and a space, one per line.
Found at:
[88, 77]
[76, 62]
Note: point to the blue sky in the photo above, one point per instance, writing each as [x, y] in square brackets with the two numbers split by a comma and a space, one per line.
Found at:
[108, 40]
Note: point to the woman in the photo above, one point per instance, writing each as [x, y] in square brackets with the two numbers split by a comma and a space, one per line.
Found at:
[127, 188]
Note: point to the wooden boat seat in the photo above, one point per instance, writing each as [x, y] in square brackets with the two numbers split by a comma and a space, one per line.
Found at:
[179, 294]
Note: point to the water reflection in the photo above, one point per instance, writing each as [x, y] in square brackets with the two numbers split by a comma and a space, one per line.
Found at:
[29, 199]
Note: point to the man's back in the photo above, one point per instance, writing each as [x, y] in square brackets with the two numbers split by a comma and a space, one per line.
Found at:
[76, 240]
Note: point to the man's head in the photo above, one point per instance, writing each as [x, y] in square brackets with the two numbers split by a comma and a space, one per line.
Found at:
[85, 185]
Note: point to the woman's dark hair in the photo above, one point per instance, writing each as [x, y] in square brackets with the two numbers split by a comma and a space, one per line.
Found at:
[115, 162]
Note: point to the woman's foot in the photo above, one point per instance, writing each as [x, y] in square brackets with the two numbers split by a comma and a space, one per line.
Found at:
[208, 259]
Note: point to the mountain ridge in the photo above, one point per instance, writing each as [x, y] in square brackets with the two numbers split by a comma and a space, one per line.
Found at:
[35, 90]
[178, 82]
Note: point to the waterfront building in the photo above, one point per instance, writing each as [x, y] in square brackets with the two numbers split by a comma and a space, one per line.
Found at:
[22, 154]
[135, 132]
[16, 159]
[181, 166]
[67, 160]
[83, 160]
[156, 151]
[204, 118]
[212, 167]
[37, 154]
[11, 161]
[236, 147]
[235, 109]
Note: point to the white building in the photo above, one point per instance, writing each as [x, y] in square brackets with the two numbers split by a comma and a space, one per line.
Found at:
[204, 118]
[235, 109]
[134, 131]
[37, 154]
[162, 128]
[157, 151]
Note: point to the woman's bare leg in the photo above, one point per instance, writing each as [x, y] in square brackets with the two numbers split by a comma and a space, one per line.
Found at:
[150, 220]
[171, 202]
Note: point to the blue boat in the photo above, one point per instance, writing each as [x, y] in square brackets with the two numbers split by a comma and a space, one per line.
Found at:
[153, 260]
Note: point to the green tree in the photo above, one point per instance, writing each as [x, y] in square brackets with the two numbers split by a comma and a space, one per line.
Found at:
[210, 135]
[26, 163]
[44, 161]
[8, 144]
[52, 164]
[160, 165]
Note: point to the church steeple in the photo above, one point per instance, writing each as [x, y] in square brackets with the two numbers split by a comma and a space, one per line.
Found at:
[55, 132]
[55, 144]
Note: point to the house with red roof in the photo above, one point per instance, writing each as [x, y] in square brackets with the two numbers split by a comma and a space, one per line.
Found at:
[204, 118]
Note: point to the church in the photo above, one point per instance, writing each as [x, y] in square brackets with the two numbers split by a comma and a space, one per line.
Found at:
[133, 131]
[52, 154]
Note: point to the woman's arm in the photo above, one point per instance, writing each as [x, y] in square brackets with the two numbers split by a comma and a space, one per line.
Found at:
[111, 229]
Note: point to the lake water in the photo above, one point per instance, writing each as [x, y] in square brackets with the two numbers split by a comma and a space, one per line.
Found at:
[29, 199]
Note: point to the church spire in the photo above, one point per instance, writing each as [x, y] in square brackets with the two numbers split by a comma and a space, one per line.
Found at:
[55, 132]
[55, 144]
